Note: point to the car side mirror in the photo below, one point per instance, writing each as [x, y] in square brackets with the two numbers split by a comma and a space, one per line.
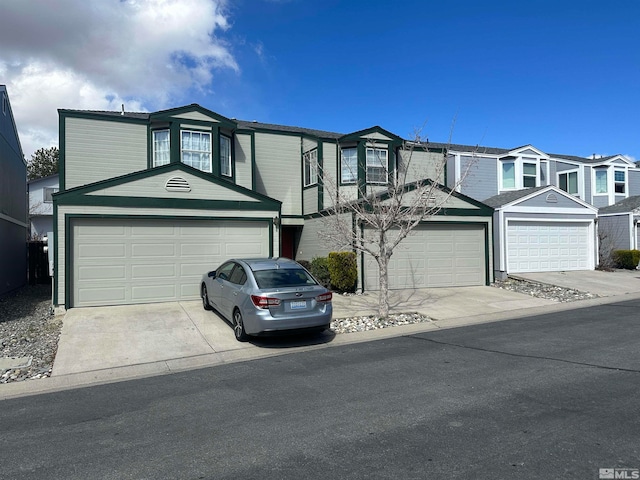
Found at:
[212, 274]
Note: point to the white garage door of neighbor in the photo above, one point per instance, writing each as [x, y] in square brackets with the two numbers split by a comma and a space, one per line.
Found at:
[118, 262]
[547, 246]
[435, 256]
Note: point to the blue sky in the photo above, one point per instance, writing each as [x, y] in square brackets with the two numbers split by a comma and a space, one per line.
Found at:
[563, 75]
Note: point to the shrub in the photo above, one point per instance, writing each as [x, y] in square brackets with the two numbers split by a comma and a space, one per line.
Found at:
[627, 259]
[319, 268]
[343, 271]
[305, 263]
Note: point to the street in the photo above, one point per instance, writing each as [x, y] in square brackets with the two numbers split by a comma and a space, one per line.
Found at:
[553, 396]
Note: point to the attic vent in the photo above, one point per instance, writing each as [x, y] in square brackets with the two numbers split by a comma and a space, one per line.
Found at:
[177, 184]
[552, 198]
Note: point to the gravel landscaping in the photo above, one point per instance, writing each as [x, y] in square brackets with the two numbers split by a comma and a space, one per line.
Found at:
[30, 332]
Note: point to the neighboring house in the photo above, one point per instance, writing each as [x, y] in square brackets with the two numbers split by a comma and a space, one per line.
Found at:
[618, 226]
[41, 192]
[542, 229]
[483, 172]
[13, 201]
[149, 201]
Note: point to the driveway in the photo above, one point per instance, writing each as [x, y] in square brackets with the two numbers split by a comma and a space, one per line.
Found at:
[604, 284]
[103, 344]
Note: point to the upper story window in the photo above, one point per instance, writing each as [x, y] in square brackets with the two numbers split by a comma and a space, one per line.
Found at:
[377, 165]
[310, 167]
[508, 174]
[225, 156]
[196, 149]
[529, 175]
[349, 165]
[620, 183]
[47, 194]
[4, 103]
[161, 147]
[568, 181]
[601, 181]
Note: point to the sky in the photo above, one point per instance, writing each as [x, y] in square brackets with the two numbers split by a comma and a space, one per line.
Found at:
[561, 75]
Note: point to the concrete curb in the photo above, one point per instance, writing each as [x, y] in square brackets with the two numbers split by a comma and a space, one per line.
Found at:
[176, 365]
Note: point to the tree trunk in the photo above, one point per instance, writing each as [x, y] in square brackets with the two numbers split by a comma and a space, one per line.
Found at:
[383, 299]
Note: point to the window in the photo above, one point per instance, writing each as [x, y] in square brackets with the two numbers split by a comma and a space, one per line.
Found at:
[569, 182]
[225, 156]
[161, 150]
[224, 272]
[601, 181]
[619, 183]
[377, 165]
[310, 168]
[529, 175]
[238, 276]
[349, 165]
[508, 175]
[196, 149]
[4, 103]
[47, 194]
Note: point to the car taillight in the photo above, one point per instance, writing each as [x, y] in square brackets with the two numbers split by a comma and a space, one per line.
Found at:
[265, 302]
[325, 297]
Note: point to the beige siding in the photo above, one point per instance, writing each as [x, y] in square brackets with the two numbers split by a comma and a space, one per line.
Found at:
[155, 187]
[420, 165]
[310, 200]
[96, 150]
[329, 169]
[313, 243]
[196, 116]
[243, 160]
[308, 144]
[279, 170]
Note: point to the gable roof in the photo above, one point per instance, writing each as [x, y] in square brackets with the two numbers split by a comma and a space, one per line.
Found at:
[513, 197]
[629, 204]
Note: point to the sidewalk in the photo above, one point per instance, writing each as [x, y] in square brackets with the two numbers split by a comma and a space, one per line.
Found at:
[109, 344]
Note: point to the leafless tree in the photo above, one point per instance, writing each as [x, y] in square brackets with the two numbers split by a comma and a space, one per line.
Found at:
[378, 218]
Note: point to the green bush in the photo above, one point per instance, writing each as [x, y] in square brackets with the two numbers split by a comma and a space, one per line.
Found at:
[626, 258]
[343, 271]
[319, 268]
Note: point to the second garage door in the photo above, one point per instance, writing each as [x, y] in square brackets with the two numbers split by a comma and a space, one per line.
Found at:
[118, 261]
[548, 246]
[435, 256]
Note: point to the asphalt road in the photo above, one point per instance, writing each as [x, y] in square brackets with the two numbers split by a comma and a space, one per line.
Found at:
[554, 396]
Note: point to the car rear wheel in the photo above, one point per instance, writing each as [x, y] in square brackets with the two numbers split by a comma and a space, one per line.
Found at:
[238, 326]
[205, 298]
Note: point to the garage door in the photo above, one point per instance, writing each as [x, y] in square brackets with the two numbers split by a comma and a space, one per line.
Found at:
[435, 256]
[129, 261]
[548, 247]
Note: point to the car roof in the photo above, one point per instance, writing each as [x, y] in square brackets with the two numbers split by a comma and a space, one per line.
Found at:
[268, 263]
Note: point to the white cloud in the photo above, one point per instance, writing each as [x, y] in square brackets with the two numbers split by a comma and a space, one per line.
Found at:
[81, 54]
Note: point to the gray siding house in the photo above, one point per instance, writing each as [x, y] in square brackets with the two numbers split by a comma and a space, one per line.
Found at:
[150, 201]
[618, 225]
[13, 201]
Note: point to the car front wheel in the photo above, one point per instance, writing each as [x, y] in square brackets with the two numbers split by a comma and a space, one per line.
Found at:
[205, 298]
[238, 327]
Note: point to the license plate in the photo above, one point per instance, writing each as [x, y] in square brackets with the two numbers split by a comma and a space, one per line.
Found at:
[298, 305]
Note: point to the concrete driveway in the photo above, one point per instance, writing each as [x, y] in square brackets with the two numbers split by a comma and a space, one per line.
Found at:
[104, 344]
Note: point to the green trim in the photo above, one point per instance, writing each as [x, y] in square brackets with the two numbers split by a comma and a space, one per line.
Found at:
[254, 167]
[55, 252]
[356, 136]
[170, 115]
[61, 149]
[124, 179]
[179, 203]
[69, 217]
[215, 155]
[175, 144]
[320, 175]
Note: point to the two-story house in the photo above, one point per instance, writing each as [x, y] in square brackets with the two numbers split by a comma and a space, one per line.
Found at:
[40, 193]
[150, 201]
[13, 201]
[546, 204]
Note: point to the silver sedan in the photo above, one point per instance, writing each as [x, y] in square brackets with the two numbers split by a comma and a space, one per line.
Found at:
[261, 296]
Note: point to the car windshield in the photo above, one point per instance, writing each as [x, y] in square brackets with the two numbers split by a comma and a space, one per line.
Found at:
[283, 277]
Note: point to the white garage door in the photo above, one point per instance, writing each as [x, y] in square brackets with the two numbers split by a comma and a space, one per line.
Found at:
[435, 256]
[130, 261]
[548, 247]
